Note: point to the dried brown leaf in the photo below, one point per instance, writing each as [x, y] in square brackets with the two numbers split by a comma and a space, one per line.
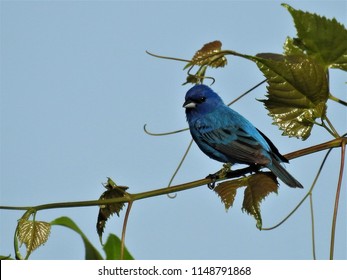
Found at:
[259, 186]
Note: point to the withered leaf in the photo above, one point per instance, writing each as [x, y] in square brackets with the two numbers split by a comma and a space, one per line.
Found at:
[210, 54]
[259, 186]
[227, 191]
[107, 210]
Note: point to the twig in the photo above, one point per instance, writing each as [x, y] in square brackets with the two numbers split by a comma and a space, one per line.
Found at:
[337, 198]
[182, 187]
[124, 229]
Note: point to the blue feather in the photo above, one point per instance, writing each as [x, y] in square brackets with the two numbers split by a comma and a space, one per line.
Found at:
[226, 136]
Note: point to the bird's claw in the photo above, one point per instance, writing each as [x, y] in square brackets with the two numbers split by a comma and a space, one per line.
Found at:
[218, 175]
[213, 178]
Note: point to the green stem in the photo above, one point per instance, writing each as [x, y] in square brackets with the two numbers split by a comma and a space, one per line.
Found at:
[337, 198]
[245, 93]
[337, 100]
[312, 227]
[178, 188]
[162, 133]
[167, 57]
[305, 197]
[335, 134]
[179, 165]
[124, 229]
[317, 148]
[127, 198]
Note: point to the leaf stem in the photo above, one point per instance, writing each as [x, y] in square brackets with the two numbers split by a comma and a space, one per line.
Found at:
[337, 99]
[335, 134]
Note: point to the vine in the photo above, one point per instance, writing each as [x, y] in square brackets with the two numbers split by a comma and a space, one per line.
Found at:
[295, 104]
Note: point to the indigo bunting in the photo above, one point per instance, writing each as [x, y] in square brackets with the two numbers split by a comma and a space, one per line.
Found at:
[226, 136]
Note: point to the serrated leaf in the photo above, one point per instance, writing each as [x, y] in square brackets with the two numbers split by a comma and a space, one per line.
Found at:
[291, 47]
[32, 233]
[227, 191]
[297, 92]
[91, 253]
[210, 54]
[322, 38]
[259, 186]
[112, 249]
[107, 210]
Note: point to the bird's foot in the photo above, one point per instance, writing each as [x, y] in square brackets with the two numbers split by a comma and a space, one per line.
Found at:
[218, 175]
[213, 177]
[225, 170]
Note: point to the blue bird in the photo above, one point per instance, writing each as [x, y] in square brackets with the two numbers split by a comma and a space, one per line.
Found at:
[226, 136]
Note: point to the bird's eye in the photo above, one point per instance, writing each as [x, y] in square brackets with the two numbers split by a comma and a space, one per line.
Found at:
[202, 99]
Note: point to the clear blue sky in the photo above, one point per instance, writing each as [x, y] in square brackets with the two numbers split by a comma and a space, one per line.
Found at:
[76, 89]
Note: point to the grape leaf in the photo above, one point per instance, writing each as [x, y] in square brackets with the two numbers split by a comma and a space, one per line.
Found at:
[32, 233]
[6, 258]
[91, 253]
[107, 210]
[297, 91]
[227, 191]
[112, 249]
[321, 38]
[210, 54]
[291, 47]
[259, 186]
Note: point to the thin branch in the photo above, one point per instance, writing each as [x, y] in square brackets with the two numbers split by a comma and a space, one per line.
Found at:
[337, 100]
[337, 199]
[162, 133]
[305, 197]
[179, 166]
[168, 57]
[124, 229]
[182, 187]
[335, 133]
[317, 148]
[312, 227]
[246, 92]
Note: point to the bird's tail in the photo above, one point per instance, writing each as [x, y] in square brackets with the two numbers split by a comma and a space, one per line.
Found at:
[284, 175]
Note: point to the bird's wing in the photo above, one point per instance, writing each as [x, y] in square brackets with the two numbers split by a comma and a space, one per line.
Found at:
[234, 143]
[278, 156]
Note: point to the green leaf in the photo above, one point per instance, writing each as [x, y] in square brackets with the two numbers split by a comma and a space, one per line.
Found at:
[112, 249]
[322, 38]
[291, 47]
[107, 210]
[6, 258]
[259, 186]
[32, 233]
[91, 253]
[297, 92]
[227, 191]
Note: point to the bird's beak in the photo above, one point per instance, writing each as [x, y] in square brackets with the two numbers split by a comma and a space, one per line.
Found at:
[189, 104]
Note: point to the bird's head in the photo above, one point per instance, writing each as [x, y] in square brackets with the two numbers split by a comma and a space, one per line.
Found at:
[201, 99]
